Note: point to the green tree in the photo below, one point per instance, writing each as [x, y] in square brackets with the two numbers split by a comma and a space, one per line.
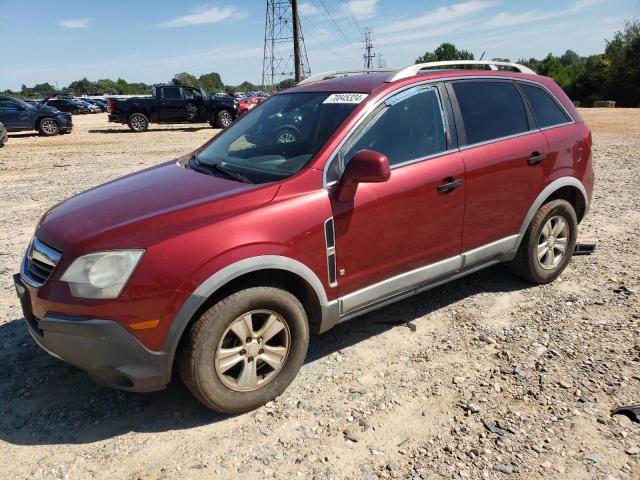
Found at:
[623, 56]
[211, 82]
[184, 78]
[446, 51]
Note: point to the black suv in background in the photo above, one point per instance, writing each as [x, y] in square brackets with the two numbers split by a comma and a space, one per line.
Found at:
[173, 104]
[69, 105]
[17, 116]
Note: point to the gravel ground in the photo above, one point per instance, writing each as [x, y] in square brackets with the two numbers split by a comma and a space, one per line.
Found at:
[487, 377]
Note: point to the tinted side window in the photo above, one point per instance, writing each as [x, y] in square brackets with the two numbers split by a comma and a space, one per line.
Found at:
[171, 92]
[490, 110]
[545, 109]
[8, 104]
[408, 126]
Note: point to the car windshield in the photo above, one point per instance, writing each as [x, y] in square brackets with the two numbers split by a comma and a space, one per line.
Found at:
[278, 138]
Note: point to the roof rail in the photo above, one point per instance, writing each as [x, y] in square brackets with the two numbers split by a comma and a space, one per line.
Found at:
[318, 77]
[493, 65]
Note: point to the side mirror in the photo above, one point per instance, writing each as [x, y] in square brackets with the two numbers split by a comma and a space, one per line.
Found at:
[21, 107]
[366, 166]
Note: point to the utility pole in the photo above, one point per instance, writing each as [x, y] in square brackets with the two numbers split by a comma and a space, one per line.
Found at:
[368, 49]
[285, 55]
[296, 40]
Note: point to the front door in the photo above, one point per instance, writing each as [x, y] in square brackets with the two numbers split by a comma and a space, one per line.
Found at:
[13, 116]
[406, 223]
[172, 105]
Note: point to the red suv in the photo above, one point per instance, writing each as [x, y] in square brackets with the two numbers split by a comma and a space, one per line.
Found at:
[220, 264]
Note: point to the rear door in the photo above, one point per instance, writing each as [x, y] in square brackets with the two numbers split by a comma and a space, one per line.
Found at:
[405, 223]
[566, 142]
[172, 105]
[504, 155]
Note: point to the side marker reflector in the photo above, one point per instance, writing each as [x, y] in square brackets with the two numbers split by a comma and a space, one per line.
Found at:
[145, 325]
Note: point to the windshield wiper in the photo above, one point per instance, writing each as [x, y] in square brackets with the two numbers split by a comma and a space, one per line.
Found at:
[206, 168]
[230, 173]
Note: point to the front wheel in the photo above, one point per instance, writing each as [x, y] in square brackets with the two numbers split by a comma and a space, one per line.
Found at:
[548, 244]
[48, 127]
[245, 350]
[138, 122]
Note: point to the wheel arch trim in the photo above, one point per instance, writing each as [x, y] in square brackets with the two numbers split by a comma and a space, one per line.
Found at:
[546, 193]
[222, 277]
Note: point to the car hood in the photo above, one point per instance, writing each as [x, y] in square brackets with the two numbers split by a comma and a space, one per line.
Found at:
[146, 207]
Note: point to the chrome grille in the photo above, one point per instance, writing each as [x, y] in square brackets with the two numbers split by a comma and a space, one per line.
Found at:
[39, 262]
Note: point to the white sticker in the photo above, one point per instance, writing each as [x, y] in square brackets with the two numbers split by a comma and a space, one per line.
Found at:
[346, 98]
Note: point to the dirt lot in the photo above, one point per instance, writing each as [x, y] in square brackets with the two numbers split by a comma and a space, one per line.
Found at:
[487, 377]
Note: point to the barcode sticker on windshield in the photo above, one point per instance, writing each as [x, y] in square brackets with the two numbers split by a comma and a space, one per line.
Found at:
[346, 98]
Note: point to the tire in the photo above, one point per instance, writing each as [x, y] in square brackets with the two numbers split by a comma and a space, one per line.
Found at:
[48, 127]
[223, 119]
[286, 136]
[537, 264]
[225, 387]
[138, 122]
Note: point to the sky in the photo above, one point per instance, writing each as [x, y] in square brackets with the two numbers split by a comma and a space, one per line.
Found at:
[150, 41]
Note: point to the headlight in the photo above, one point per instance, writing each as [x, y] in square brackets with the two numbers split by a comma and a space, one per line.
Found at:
[101, 275]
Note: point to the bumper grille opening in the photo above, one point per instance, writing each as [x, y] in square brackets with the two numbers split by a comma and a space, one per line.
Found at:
[39, 262]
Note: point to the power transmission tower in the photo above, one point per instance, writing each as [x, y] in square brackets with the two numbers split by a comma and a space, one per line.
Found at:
[382, 63]
[285, 55]
[368, 55]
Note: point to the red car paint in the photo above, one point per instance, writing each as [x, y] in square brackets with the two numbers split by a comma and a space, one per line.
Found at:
[193, 225]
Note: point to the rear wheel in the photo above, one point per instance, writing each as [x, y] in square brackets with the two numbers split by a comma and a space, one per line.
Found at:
[548, 245]
[138, 122]
[245, 350]
[48, 127]
[223, 119]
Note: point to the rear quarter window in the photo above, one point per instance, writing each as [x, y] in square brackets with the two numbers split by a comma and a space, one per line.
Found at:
[545, 109]
[490, 110]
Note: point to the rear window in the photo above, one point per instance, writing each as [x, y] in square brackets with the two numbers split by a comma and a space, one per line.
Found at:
[490, 110]
[545, 109]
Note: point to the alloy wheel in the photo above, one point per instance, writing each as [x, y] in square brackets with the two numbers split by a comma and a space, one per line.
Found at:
[252, 350]
[225, 119]
[552, 242]
[286, 137]
[137, 122]
[49, 126]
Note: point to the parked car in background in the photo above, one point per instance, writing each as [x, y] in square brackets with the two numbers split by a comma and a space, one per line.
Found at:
[173, 104]
[3, 135]
[249, 103]
[99, 106]
[69, 105]
[92, 108]
[17, 115]
[220, 264]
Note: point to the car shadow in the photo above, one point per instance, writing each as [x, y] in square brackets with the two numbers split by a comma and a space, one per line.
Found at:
[23, 135]
[126, 130]
[44, 401]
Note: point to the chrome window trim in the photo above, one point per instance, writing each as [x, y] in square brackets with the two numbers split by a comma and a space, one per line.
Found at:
[373, 105]
[499, 139]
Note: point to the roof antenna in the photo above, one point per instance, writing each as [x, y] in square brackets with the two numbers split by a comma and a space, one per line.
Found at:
[482, 56]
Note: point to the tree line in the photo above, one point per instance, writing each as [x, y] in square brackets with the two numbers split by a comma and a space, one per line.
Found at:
[612, 75]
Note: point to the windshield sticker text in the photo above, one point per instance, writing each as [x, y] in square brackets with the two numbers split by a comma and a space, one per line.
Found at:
[346, 98]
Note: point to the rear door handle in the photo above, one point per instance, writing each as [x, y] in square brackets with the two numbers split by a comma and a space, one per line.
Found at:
[452, 185]
[536, 158]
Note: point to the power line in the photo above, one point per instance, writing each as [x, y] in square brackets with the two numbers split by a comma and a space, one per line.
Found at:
[331, 18]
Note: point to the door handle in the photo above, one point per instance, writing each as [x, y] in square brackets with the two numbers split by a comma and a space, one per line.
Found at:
[452, 185]
[536, 158]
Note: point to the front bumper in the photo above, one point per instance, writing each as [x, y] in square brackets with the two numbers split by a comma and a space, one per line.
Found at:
[103, 348]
